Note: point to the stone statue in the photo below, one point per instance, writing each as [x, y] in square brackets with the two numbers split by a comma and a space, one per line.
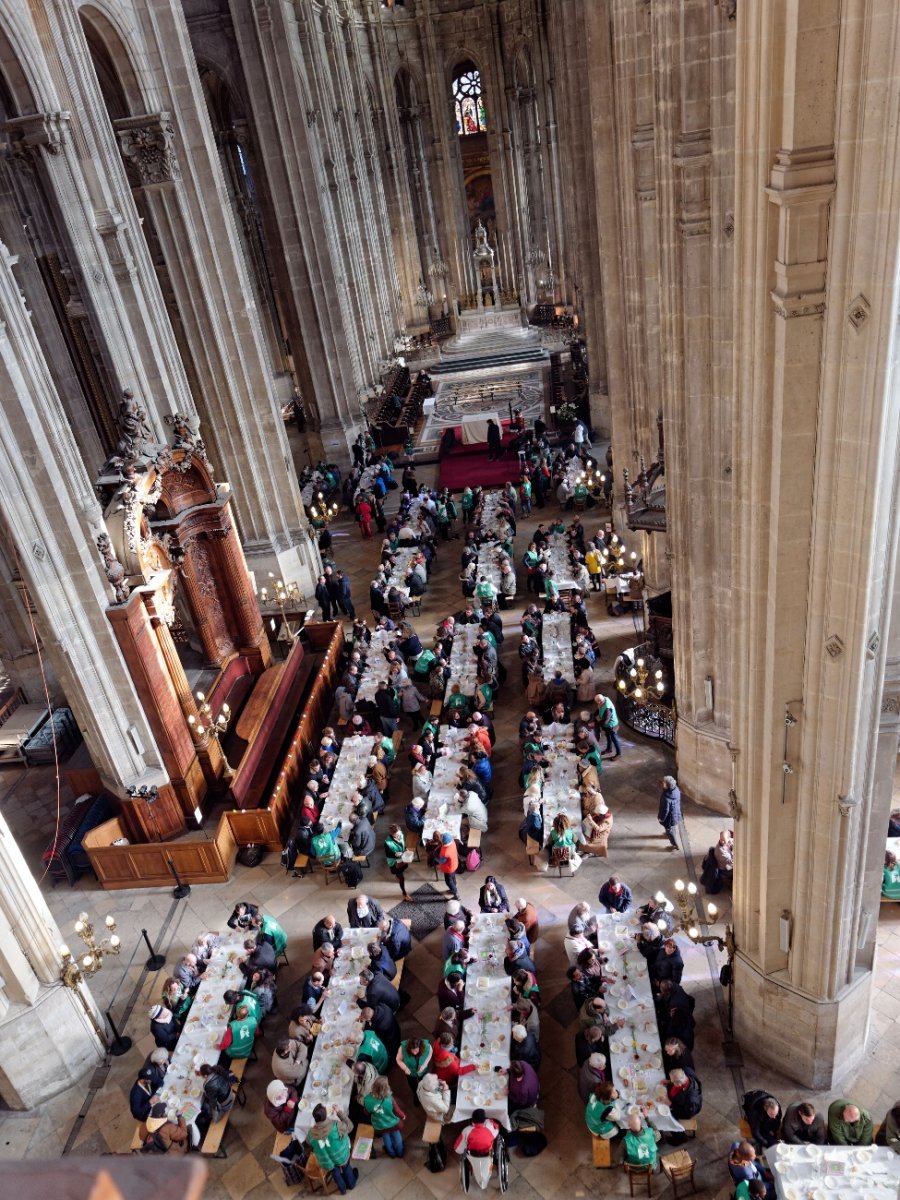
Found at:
[134, 432]
[113, 569]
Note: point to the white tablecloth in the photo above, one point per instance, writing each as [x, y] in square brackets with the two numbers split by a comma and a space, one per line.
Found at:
[556, 643]
[350, 766]
[486, 1035]
[329, 1079]
[635, 1051]
[560, 791]
[834, 1172]
[556, 554]
[376, 666]
[475, 427]
[463, 664]
[205, 1025]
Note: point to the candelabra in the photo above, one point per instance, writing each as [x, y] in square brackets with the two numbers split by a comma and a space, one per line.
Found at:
[691, 923]
[321, 512]
[72, 971]
[636, 685]
[214, 728]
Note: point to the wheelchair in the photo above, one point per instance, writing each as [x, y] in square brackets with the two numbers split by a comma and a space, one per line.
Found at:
[474, 1167]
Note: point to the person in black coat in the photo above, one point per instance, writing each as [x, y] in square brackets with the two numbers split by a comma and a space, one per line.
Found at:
[669, 815]
[494, 440]
[379, 990]
[260, 957]
[323, 599]
[327, 930]
[395, 938]
[666, 964]
[363, 912]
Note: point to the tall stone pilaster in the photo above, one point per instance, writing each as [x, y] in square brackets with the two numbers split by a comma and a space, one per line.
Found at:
[817, 249]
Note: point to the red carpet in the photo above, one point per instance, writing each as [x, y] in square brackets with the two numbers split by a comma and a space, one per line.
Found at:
[467, 466]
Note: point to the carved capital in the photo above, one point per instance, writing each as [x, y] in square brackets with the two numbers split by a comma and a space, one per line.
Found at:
[28, 135]
[148, 142]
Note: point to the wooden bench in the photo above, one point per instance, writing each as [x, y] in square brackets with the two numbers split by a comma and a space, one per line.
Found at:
[363, 1132]
[212, 1143]
[601, 1151]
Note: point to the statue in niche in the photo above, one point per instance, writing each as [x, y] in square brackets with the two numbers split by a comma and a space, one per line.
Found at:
[134, 433]
[113, 569]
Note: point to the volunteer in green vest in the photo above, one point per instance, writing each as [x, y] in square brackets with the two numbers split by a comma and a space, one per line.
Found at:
[640, 1144]
[240, 1034]
[413, 1059]
[602, 1113]
[609, 723]
[329, 1140]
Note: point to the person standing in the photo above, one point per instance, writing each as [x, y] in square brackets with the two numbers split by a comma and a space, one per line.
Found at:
[494, 440]
[608, 720]
[448, 863]
[323, 598]
[669, 815]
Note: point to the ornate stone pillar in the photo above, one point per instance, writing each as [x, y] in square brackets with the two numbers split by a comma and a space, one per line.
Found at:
[54, 519]
[817, 244]
[48, 1030]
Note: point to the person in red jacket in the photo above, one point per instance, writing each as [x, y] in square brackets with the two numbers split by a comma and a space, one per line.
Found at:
[477, 1138]
[448, 862]
[445, 1063]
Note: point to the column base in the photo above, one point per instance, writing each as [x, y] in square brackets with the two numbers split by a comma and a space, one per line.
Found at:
[818, 1043]
[48, 1047]
[704, 765]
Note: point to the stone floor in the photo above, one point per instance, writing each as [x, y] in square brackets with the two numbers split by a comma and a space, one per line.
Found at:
[86, 1122]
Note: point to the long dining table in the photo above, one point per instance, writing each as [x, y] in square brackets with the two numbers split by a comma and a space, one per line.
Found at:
[487, 1033]
[635, 1050]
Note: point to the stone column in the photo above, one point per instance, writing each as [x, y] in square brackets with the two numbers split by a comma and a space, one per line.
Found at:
[47, 1030]
[54, 518]
[817, 245]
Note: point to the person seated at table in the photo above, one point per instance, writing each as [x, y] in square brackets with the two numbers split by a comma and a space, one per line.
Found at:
[492, 896]
[243, 914]
[587, 1042]
[240, 1034]
[142, 1094]
[165, 1135]
[290, 1059]
[803, 1126]
[750, 1189]
[524, 1046]
[329, 1140]
[764, 1116]
[259, 956]
[516, 958]
[163, 1026]
[177, 999]
[364, 912]
[889, 1133]
[666, 964]
[601, 1113]
[596, 825]
[524, 1085]
[446, 1064]
[281, 1105]
[744, 1167]
[849, 1125]
[685, 1093]
[676, 1054]
[379, 959]
[615, 896]
[890, 879]
[590, 1075]
[639, 1144]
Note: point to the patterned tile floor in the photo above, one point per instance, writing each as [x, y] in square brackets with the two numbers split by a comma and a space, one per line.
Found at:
[637, 852]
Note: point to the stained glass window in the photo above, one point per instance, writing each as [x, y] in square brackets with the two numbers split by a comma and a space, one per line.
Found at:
[468, 103]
